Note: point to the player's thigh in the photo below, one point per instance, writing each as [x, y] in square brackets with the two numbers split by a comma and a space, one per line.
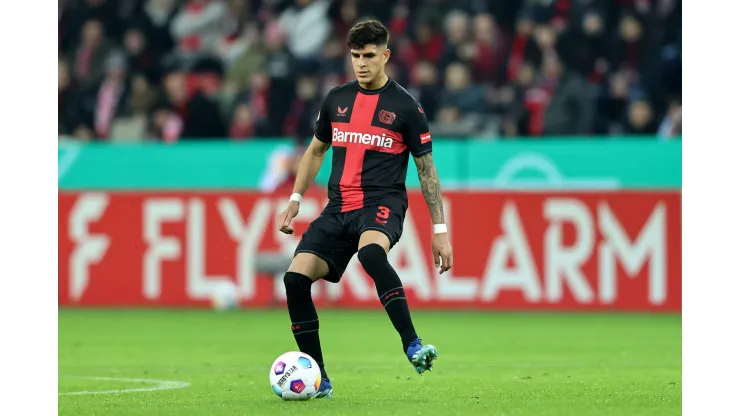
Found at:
[309, 265]
[381, 224]
[370, 236]
[325, 250]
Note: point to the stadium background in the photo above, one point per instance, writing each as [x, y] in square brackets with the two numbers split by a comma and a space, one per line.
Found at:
[557, 137]
[556, 127]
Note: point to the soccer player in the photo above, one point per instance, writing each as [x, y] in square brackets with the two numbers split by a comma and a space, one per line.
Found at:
[373, 124]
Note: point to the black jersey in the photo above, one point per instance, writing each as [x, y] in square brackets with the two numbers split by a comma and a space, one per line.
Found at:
[372, 134]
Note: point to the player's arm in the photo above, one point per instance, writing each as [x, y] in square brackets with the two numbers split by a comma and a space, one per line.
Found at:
[310, 165]
[308, 168]
[430, 187]
[419, 142]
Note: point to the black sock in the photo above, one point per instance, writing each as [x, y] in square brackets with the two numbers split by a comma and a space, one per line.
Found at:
[303, 317]
[390, 291]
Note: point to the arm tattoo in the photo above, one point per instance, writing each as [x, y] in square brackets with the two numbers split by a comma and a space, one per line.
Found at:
[430, 187]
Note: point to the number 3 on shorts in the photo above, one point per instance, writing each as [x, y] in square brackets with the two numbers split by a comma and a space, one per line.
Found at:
[383, 212]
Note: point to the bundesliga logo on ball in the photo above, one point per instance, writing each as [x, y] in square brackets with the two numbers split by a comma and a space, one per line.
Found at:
[295, 376]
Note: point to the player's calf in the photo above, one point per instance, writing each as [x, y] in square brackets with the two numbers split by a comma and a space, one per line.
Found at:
[303, 317]
[390, 291]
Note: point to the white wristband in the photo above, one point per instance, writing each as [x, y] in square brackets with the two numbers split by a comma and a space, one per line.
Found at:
[296, 197]
[440, 228]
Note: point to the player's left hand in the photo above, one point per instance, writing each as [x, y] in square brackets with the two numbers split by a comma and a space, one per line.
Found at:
[442, 252]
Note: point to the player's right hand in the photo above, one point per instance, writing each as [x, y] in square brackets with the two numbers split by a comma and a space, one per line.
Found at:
[442, 252]
[287, 216]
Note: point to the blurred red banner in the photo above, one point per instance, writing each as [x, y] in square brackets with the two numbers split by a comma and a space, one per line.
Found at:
[615, 250]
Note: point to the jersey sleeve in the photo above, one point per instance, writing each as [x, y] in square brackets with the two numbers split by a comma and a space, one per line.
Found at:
[322, 130]
[418, 139]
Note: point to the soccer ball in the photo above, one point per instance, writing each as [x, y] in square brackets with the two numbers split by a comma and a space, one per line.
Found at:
[224, 295]
[295, 376]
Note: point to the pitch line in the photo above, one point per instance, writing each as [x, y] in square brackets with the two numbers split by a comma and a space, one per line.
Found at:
[158, 385]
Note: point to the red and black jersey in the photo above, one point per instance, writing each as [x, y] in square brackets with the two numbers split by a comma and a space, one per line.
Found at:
[372, 134]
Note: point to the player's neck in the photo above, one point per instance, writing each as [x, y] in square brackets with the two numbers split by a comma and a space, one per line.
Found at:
[376, 84]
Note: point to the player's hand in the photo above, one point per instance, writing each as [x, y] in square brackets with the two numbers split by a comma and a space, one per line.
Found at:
[287, 216]
[442, 252]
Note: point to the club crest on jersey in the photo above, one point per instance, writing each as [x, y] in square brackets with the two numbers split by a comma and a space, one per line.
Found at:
[361, 138]
[386, 117]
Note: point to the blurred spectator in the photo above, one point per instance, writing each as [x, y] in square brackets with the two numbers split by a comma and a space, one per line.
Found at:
[431, 11]
[306, 27]
[243, 124]
[590, 58]
[181, 116]
[157, 19]
[165, 124]
[143, 96]
[670, 127]
[194, 69]
[252, 60]
[641, 118]
[457, 35]
[203, 117]
[428, 44]
[109, 98]
[489, 58]
[141, 58]
[460, 93]
[570, 110]
[612, 106]
[517, 117]
[627, 49]
[198, 26]
[333, 57]
[523, 47]
[280, 65]
[546, 38]
[450, 122]
[424, 81]
[302, 116]
[69, 102]
[236, 45]
[74, 20]
[347, 15]
[89, 58]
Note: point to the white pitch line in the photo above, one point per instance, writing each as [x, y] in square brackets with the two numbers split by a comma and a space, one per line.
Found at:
[159, 385]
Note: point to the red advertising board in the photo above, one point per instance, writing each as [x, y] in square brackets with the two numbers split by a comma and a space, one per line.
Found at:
[617, 250]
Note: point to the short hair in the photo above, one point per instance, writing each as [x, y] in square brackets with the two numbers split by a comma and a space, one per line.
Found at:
[369, 32]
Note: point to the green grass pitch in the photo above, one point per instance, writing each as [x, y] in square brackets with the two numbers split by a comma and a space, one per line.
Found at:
[490, 363]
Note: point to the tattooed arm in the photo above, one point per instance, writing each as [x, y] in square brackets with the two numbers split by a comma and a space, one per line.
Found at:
[430, 187]
[441, 248]
[418, 139]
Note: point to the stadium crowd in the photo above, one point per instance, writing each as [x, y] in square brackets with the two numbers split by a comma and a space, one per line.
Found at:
[174, 70]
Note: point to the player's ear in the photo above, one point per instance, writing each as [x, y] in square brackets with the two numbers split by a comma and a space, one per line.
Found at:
[387, 54]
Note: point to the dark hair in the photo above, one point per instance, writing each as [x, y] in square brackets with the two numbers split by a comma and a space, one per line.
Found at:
[369, 32]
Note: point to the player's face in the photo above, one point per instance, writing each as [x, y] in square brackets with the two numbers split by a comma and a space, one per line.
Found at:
[369, 62]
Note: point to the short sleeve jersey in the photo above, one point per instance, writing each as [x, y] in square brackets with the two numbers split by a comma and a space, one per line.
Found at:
[372, 133]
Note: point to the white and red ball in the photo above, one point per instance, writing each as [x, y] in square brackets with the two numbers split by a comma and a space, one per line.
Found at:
[295, 376]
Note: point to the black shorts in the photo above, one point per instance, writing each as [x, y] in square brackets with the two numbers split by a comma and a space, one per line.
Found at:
[334, 237]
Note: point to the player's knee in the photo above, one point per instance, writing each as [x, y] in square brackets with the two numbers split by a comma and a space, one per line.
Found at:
[310, 265]
[296, 283]
[372, 256]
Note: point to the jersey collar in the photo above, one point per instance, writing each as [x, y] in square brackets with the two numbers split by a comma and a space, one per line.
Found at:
[377, 91]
